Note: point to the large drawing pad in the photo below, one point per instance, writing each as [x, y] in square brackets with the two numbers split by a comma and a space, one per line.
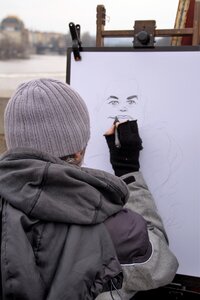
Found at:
[165, 85]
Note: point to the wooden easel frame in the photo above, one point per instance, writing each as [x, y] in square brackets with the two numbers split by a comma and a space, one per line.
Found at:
[101, 33]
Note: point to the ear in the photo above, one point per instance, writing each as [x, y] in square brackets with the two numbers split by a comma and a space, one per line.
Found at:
[79, 157]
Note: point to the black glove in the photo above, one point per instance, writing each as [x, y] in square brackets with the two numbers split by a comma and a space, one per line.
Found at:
[124, 157]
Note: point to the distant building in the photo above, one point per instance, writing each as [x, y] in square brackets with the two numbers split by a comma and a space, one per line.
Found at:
[13, 28]
[12, 23]
[45, 42]
[14, 38]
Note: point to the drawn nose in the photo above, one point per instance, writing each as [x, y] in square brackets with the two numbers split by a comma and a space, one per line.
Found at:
[123, 108]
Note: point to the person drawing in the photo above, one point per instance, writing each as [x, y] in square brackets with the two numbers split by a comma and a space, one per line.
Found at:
[70, 232]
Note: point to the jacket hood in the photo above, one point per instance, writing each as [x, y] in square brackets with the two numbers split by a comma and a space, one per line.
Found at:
[48, 189]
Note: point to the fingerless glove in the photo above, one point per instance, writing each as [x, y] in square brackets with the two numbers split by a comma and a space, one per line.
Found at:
[125, 158]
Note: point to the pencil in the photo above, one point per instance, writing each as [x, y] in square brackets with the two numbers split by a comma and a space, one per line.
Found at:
[117, 141]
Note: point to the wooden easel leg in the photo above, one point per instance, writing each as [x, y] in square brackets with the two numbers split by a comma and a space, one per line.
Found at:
[196, 24]
[100, 22]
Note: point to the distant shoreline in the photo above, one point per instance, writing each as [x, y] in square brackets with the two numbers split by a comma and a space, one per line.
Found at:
[15, 71]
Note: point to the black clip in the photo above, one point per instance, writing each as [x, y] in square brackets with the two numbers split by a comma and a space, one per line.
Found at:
[76, 42]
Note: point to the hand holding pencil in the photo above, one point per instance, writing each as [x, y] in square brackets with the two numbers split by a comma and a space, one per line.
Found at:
[124, 143]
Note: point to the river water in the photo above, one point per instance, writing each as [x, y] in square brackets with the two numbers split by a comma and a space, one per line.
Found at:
[13, 72]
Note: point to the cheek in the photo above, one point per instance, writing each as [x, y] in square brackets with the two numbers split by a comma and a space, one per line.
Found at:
[115, 107]
[111, 108]
[133, 108]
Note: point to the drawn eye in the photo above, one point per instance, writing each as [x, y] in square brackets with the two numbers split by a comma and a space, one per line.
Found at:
[113, 102]
[131, 101]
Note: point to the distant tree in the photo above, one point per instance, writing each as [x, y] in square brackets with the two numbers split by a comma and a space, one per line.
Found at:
[88, 40]
[164, 41]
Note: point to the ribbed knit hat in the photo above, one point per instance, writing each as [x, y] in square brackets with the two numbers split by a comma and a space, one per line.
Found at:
[47, 115]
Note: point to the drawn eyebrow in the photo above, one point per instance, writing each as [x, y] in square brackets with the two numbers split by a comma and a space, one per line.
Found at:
[112, 97]
[132, 97]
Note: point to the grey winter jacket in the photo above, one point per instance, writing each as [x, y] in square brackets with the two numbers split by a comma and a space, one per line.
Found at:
[44, 222]
[48, 251]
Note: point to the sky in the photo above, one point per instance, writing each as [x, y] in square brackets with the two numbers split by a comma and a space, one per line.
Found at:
[55, 15]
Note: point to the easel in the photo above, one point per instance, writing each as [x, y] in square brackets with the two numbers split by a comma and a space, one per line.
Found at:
[148, 27]
[183, 286]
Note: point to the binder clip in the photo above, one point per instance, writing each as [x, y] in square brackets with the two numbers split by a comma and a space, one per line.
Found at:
[76, 42]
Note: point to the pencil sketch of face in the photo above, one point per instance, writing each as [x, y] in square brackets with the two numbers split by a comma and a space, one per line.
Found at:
[122, 100]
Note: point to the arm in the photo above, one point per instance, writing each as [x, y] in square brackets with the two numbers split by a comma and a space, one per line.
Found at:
[161, 267]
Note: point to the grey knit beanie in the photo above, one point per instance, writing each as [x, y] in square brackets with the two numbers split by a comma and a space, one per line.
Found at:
[47, 115]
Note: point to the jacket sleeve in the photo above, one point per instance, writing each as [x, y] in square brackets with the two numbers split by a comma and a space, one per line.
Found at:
[161, 267]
